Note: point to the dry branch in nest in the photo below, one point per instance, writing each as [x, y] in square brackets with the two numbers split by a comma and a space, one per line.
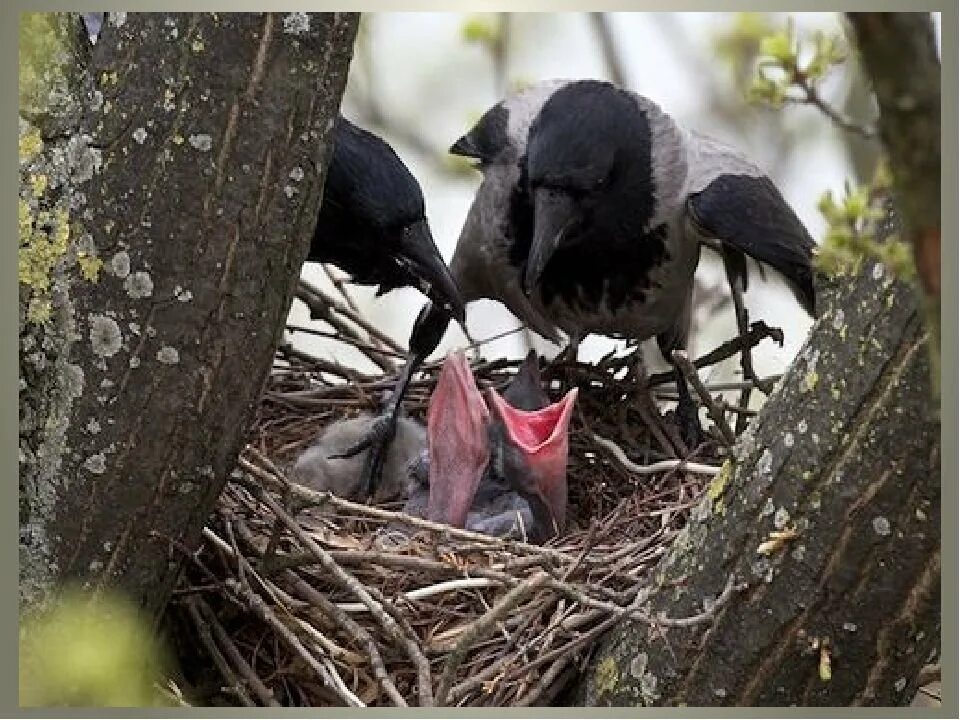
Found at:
[297, 597]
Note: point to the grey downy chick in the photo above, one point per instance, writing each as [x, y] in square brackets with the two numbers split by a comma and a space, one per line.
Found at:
[343, 476]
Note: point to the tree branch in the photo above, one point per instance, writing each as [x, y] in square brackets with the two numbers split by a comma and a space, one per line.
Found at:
[899, 56]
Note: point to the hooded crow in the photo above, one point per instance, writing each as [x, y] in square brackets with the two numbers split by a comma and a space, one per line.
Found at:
[592, 210]
[373, 224]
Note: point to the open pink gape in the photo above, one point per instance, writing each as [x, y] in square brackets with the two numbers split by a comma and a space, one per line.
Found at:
[459, 424]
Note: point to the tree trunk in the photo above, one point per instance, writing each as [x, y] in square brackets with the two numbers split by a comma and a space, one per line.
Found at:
[899, 55]
[189, 160]
[846, 455]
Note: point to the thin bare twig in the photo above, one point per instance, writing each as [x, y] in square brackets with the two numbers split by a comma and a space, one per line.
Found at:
[362, 346]
[714, 410]
[429, 591]
[362, 593]
[362, 636]
[653, 468]
[811, 96]
[759, 331]
[611, 55]
[233, 685]
[233, 653]
[340, 283]
[265, 613]
[481, 626]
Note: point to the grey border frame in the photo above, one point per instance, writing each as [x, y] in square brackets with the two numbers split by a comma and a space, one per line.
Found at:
[949, 268]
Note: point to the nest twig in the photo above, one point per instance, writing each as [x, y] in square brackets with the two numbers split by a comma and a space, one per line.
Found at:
[297, 597]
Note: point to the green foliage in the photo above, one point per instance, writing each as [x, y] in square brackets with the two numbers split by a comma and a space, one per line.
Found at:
[483, 29]
[853, 224]
[92, 652]
[789, 69]
[739, 44]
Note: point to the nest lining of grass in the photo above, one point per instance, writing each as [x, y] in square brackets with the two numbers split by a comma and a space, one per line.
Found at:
[301, 598]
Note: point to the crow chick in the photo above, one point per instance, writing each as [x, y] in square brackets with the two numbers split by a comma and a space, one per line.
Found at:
[316, 469]
[494, 464]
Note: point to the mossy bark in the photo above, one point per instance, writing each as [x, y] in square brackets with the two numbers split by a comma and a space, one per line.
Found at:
[846, 456]
[898, 52]
[210, 134]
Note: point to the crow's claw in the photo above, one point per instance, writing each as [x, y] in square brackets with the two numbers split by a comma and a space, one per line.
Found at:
[375, 443]
[688, 418]
[688, 415]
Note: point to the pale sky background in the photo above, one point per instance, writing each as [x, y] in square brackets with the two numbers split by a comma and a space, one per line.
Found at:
[428, 78]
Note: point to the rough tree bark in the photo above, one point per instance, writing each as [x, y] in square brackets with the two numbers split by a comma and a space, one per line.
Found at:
[844, 457]
[899, 55]
[180, 174]
[841, 604]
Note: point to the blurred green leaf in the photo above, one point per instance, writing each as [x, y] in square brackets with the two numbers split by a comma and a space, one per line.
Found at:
[481, 28]
[89, 652]
[741, 40]
[780, 47]
[852, 229]
[781, 76]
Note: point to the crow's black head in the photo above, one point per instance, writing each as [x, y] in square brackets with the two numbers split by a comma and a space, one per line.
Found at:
[588, 170]
[372, 221]
[487, 138]
[368, 179]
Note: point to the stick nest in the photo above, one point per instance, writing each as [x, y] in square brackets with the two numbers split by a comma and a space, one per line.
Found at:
[299, 598]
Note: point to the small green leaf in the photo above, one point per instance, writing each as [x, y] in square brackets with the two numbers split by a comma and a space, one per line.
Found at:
[780, 47]
[480, 29]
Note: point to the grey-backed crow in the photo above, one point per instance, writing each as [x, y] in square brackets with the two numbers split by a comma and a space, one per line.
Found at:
[592, 210]
[495, 465]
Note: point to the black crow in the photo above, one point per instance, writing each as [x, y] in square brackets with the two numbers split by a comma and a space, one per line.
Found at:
[495, 465]
[592, 211]
[373, 224]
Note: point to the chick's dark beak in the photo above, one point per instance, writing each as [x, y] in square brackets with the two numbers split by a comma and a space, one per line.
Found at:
[419, 254]
[553, 214]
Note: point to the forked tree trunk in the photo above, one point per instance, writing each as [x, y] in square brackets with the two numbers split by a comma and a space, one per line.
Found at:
[193, 150]
[846, 455]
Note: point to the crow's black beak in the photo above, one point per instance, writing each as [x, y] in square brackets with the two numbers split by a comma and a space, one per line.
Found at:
[419, 254]
[553, 214]
[465, 147]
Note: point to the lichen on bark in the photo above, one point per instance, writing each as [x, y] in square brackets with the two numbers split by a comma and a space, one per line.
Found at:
[54, 254]
[827, 518]
[167, 282]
